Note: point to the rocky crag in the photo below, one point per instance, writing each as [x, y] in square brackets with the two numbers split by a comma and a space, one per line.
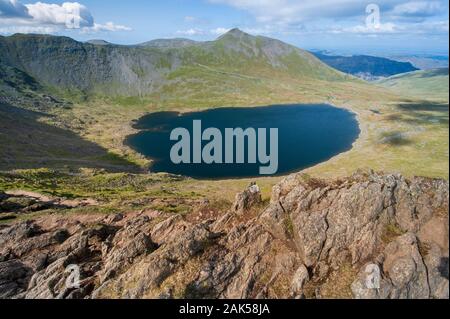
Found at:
[315, 239]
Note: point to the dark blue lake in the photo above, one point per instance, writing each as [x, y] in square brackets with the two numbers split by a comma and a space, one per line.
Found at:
[308, 135]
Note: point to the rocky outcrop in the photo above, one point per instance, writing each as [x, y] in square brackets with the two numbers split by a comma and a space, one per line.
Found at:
[15, 203]
[366, 236]
[247, 199]
[14, 277]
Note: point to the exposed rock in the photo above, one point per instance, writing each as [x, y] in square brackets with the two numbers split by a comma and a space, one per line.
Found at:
[247, 199]
[18, 232]
[14, 277]
[366, 286]
[314, 237]
[128, 244]
[405, 274]
[150, 272]
[301, 277]
[334, 223]
[437, 266]
[168, 229]
[114, 218]
[24, 202]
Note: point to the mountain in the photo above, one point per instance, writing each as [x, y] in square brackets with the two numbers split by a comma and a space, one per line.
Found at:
[430, 84]
[424, 62]
[63, 63]
[97, 90]
[168, 43]
[366, 67]
[98, 42]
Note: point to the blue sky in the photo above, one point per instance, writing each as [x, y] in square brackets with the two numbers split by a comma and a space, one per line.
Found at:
[404, 26]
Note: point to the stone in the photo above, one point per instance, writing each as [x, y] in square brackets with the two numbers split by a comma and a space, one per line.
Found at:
[14, 277]
[247, 199]
[301, 277]
[405, 275]
[313, 233]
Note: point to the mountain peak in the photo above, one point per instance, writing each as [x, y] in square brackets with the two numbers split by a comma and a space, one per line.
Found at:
[235, 33]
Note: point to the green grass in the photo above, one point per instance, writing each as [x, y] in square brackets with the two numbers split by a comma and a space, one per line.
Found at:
[431, 84]
[79, 152]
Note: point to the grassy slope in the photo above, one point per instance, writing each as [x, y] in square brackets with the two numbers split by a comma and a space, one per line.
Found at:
[399, 134]
[430, 84]
[406, 135]
[381, 147]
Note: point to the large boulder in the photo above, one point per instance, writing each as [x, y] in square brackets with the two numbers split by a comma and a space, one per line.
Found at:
[405, 273]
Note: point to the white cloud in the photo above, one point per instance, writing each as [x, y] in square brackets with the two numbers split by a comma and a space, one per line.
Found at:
[219, 31]
[438, 27]
[292, 11]
[109, 26]
[341, 16]
[363, 29]
[190, 19]
[43, 17]
[28, 29]
[191, 32]
[194, 32]
[418, 8]
[54, 14]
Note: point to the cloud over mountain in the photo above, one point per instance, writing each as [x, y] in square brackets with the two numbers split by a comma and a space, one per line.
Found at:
[50, 17]
[284, 15]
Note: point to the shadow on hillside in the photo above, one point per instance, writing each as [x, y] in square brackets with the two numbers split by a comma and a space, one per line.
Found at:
[395, 139]
[422, 113]
[26, 143]
[433, 73]
[424, 106]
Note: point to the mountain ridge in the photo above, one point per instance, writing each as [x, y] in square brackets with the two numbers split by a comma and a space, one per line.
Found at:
[365, 66]
[65, 63]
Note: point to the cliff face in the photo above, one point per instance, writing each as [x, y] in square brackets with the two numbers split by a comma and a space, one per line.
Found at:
[315, 239]
[67, 64]
[93, 68]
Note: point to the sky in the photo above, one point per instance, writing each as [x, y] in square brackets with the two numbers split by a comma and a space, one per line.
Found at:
[382, 27]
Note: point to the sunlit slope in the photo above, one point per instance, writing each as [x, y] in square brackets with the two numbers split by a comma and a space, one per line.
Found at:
[430, 84]
[66, 64]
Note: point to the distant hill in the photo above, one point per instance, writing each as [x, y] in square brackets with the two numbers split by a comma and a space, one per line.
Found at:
[64, 63]
[98, 42]
[366, 67]
[168, 43]
[424, 62]
[429, 84]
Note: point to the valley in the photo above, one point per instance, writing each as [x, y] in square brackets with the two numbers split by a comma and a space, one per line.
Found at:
[397, 133]
[67, 108]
